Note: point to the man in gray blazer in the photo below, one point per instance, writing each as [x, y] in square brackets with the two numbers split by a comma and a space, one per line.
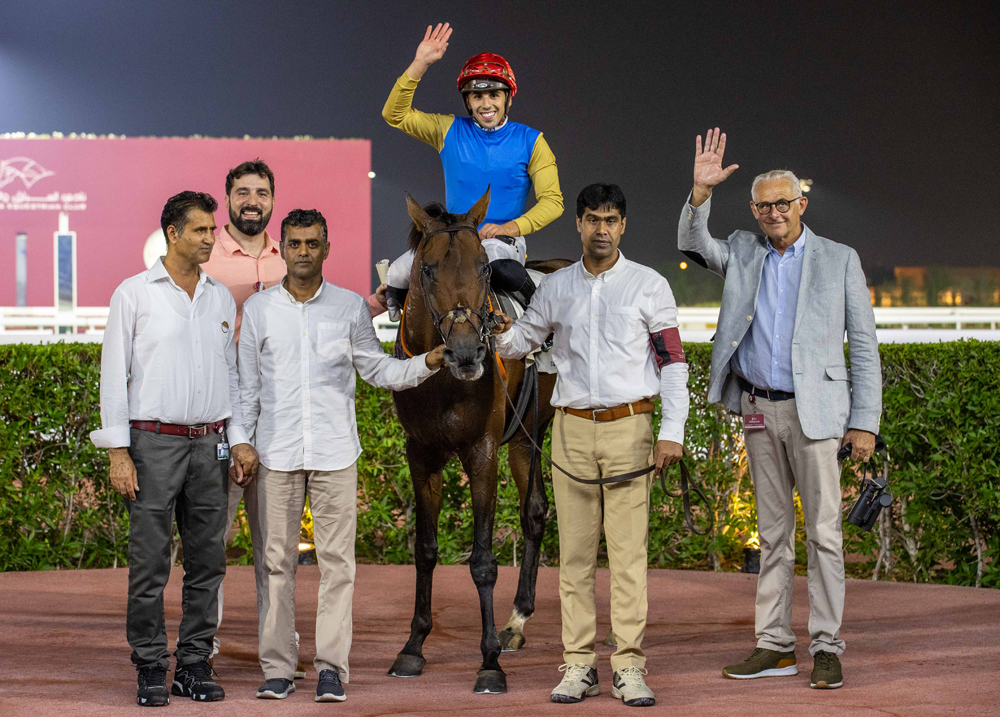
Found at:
[778, 359]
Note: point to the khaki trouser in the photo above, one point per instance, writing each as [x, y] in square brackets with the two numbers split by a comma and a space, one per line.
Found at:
[596, 450]
[333, 499]
[781, 457]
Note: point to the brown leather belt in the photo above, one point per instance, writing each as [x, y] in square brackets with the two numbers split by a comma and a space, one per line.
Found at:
[600, 415]
[172, 429]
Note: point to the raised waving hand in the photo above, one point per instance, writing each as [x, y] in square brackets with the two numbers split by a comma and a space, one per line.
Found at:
[708, 169]
[430, 50]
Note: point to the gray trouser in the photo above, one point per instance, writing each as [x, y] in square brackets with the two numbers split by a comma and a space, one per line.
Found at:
[781, 459]
[183, 476]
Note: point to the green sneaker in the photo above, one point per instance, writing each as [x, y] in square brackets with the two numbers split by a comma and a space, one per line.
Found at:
[826, 674]
[763, 663]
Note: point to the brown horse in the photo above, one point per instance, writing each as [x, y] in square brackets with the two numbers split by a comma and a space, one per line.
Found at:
[462, 411]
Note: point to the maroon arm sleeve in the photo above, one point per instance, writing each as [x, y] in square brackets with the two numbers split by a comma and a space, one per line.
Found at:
[667, 347]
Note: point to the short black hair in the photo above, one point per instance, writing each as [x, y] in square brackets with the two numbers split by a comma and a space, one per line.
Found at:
[175, 211]
[303, 218]
[255, 166]
[600, 196]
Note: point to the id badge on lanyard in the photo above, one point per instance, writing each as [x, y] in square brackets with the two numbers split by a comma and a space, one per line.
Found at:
[753, 421]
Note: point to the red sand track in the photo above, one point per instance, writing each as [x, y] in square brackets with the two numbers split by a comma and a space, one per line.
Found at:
[912, 650]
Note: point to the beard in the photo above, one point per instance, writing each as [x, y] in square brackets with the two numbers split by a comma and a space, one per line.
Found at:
[250, 227]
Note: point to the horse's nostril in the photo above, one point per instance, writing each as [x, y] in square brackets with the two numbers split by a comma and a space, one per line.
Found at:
[449, 357]
[480, 353]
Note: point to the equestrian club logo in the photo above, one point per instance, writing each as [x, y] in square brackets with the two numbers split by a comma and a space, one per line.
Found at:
[27, 170]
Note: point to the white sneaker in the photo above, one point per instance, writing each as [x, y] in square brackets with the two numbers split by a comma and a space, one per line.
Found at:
[579, 681]
[630, 688]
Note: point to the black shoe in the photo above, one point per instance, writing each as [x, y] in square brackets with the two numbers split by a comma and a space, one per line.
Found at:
[152, 690]
[195, 681]
[329, 688]
[277, 688]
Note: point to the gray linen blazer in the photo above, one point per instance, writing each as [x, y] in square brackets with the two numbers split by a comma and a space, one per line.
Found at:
[833, 297]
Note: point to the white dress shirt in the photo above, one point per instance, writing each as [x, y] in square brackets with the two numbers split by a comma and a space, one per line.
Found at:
[297, 375]
[601, 346]
[168, 357]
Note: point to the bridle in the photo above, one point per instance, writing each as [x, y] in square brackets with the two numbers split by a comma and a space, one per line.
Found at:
[459, 314]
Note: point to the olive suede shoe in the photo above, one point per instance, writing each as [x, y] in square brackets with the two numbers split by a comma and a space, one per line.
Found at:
[763, 663]
[826, 674]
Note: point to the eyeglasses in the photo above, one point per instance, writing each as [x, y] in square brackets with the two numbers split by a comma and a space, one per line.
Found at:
[782, 205]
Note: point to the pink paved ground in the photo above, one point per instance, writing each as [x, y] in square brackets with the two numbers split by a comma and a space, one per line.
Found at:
[912, 650]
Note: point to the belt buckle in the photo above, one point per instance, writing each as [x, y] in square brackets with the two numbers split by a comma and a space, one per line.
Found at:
[595, 411]
[198, 431]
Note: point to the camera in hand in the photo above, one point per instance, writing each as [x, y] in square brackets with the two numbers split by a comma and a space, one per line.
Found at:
[875, 492]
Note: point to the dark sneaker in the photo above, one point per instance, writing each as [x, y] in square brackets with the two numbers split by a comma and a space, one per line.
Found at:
[826, 674]
[763, 663]
[152, 690]
[300, 670]
[195, 681]
[277, 688]
[629, 687]
[329, 688]
[578, 681]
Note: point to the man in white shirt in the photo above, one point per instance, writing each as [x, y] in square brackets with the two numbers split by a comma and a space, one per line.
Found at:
[301, 344]
[169, 404]
[615, 346]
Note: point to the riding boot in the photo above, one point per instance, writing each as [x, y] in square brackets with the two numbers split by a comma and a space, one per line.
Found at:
[395, 300]
[510, 276]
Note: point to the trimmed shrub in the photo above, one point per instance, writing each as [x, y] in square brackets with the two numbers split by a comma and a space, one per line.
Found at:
[941, 421]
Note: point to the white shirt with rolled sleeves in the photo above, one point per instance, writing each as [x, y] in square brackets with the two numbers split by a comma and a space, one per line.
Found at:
[601, 345]
[298, 367]
[168, 357]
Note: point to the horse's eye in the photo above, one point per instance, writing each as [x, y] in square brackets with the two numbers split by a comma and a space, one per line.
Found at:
[426, 269]
[485, 271]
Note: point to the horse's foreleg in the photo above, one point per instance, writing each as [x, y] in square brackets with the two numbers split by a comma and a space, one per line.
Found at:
[480, 463]
[534, 509]
[426, 475]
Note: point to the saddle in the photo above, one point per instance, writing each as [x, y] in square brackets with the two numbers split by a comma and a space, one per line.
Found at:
[513, 304]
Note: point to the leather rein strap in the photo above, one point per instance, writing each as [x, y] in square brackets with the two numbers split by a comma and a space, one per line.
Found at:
[688, 483]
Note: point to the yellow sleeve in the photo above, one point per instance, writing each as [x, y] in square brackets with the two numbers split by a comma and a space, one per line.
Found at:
[548, 197]
[399, 113]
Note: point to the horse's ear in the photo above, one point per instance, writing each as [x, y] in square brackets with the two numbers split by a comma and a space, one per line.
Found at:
[421, 218]
[476, 215]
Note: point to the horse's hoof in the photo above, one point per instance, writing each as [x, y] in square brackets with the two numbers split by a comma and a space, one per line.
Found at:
[510, 641]
[407, 666]
[491, 682]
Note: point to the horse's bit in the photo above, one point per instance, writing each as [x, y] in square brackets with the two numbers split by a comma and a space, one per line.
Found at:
[459, 314]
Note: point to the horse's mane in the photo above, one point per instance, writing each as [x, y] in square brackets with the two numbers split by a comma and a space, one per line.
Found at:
[435, 210]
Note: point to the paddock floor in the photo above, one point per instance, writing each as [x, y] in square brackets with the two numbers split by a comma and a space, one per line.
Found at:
[912, 649]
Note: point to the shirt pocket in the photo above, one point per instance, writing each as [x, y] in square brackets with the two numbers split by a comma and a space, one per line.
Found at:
[621, 325]
[333, 341]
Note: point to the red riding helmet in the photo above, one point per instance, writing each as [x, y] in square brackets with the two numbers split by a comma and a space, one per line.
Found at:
[486, 72]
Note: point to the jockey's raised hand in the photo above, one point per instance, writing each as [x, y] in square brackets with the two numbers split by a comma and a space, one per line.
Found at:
[708, 170]
[430, 50]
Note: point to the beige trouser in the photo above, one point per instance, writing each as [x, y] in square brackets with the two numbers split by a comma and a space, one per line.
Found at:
[333, 499]
[597, 450]
[781, 457]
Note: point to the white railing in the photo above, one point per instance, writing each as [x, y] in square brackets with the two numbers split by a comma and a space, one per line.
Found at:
[34, 323]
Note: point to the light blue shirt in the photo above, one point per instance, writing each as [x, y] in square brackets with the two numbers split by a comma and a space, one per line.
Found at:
[764, 356]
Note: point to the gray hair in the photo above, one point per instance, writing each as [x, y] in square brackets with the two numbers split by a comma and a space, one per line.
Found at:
[773, 175]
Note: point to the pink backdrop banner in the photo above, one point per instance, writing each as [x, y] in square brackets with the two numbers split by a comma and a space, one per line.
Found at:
[113, 191]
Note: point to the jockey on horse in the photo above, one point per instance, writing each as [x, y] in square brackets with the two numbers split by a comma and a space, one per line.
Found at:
[482, 150]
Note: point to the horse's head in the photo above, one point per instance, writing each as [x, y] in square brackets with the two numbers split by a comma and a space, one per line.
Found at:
[453, 273]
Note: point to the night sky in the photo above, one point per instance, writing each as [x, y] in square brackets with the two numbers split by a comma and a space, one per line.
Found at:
[891, 108]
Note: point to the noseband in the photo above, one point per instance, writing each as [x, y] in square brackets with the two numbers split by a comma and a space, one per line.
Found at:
[459, 314]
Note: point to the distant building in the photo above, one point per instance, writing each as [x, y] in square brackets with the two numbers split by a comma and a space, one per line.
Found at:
[936, 286]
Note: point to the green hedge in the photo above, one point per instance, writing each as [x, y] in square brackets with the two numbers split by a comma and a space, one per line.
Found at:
[941, 421]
